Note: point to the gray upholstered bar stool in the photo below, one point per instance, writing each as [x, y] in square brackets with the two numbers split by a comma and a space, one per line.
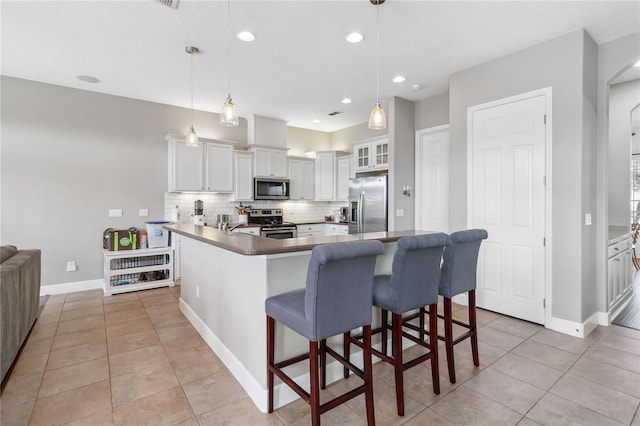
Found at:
[412, 284]
[337, 298]
[460, 262]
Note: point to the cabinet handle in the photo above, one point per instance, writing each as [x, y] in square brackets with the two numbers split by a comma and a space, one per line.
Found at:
[617, 260]
[616, 249]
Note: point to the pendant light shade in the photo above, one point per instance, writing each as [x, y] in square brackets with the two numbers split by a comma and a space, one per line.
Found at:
[377, 119]
[228, 116]
[192, 137]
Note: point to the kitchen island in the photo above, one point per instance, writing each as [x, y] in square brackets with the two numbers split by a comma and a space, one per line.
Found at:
[226, 278]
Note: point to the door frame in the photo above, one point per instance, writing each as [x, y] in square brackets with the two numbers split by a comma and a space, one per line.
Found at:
[547, 93]
[419, 168]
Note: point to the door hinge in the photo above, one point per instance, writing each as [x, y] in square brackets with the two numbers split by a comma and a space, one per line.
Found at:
[544, 241]
[544, 180]
[544, 303]
[545, 119]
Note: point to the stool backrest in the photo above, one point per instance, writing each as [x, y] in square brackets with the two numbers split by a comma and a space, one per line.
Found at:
[339, 288]
[460, 262]
[416, 270]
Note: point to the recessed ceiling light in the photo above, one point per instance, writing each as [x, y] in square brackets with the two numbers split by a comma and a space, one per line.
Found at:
[346, 101]
[316, 121]
[246, 36]
[355, 38]
[637, 64]
[87, 79]
[398, 79]
[416, 86]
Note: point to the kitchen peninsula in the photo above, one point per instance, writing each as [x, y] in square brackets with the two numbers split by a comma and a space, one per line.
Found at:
[226, 278]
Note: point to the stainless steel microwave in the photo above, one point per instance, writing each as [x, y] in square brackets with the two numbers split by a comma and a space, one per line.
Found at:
[270, 189]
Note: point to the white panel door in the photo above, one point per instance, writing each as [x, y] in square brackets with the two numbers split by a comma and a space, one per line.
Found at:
[508, 200]
[432, 179]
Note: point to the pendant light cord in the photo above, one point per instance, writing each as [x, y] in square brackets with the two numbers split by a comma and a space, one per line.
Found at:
[191, 53]
[377, 53]
[229, 48]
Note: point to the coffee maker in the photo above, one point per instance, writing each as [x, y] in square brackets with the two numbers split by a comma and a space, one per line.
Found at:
[198, 215]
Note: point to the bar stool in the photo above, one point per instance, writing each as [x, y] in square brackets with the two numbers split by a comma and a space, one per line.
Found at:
[460, 262]
[412, 285]
[337, 298]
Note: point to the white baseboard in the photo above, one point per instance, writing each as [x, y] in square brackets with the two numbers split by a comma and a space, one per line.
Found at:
[605, 318]
[573, 328]
[71, 287]
[282, 394]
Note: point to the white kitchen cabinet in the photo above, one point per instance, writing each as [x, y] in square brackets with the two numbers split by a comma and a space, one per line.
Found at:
[243, 162]
[311, 230]
[371, 155]
[270, 162]
[325, 176]
[207, 167]
[301, 178]
[342, 177]
[140, 269]
[620, 272]
[336, 229]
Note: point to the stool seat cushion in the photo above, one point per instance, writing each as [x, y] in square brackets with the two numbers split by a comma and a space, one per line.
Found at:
[415, 274]
[288, 308]
[459, 262]
[382, 295]
[338, 292]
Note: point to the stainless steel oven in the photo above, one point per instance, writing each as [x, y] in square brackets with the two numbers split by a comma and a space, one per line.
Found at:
[271, 224]
[279, 232]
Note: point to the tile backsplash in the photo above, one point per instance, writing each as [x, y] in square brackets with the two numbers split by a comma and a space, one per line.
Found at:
[215, 204]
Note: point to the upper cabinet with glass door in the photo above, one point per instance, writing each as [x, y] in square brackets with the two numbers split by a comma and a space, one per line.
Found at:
[371, 155]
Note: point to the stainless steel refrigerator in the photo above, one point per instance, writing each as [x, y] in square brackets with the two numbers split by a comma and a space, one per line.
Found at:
[368, 204]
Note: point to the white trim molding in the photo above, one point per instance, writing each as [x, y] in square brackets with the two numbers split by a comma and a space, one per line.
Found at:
[71, 287]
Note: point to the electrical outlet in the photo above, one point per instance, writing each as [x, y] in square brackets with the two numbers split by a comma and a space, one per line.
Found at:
[198, 291]
[587, 219]
[399, 212]
[143, 212]
[72, 266]
[115, 212]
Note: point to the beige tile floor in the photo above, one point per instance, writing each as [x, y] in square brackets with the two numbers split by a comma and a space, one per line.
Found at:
[133, 359]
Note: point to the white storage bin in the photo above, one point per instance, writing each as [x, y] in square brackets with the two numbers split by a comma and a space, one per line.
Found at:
[156, 235]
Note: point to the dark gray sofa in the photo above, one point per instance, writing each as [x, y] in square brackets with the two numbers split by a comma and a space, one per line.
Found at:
[19, 300]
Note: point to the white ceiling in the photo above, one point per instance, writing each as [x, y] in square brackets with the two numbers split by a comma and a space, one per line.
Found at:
[300, 66]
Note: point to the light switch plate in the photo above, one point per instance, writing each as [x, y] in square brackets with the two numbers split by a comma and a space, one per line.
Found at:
[399, 212]
[143, 212]
[115, 212]
[587, 219]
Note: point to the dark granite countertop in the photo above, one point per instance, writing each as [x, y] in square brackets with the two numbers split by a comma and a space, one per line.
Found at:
[250, 245]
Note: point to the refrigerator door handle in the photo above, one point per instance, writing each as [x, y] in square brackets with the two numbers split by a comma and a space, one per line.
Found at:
[361, 213]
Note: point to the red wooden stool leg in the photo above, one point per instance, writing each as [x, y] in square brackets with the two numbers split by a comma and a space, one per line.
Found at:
[473, 328]
[270, 358]
[314, 398]
[396, 324]
[448, 339]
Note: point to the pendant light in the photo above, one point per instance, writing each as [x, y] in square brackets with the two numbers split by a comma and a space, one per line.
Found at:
[377, 119]
[228, 116]
[192, 138]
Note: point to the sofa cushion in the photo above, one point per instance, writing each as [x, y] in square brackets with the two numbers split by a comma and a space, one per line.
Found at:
[6, 252]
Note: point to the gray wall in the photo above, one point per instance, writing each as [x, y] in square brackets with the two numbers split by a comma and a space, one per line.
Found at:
[614, 58]
[432, 112]
[300, 141]
[558, 63]
[402, 167]
[589, 167]
[342, 140]
[70, 155]
[623, 98]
